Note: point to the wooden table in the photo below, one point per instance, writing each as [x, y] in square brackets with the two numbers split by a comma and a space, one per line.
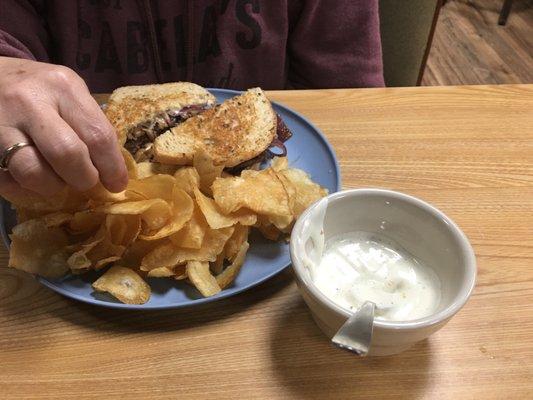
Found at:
[467, 150]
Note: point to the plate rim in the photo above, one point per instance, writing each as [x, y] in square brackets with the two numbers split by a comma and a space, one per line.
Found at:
[194, 302]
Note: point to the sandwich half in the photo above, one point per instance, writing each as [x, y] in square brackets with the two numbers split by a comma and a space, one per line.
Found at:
[141, 113]
[235, 132]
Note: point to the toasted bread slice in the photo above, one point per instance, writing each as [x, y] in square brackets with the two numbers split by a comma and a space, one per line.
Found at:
[236, 131]
[131, 106]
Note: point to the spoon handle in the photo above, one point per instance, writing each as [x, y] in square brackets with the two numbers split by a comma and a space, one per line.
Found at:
[356, 333]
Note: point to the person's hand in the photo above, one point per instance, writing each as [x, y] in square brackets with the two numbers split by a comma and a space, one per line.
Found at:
[72, 142]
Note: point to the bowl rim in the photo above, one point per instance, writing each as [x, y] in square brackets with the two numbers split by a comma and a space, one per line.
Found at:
[464, 244]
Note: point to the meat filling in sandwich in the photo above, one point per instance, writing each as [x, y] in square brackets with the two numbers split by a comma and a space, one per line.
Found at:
[283, 134]
[141, 113]
[140, 138]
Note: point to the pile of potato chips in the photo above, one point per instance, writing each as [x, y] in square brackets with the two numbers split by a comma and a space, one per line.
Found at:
[189, 223]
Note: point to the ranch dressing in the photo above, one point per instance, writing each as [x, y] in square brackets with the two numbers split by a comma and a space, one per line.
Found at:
[359, 266]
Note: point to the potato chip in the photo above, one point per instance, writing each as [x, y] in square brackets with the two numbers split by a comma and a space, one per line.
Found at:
[106, 249]
[37, 249]
[164, 255]
[148, 168]
[235, 242]
[124, 284]
[229, 274]
[166, 272]
[268, 230]
[207, 170]
[260, 191]
[282, 222]
[103, 262]
[168, 255]
[134, 254]
[154, 212]
[182, 209]
[104, 253]
[192, 234]
[24, 214]
[187, 178]
[33, 203]
[289, 189]
[180, 272]
[85, 221]
[154, 187]
[133, 229]
[216, 219]
[123, 229]
[57, 219]
[108, 244]
[307, 192]
[115, 227]
[99, 194]
[131, 165]
[79, 260]
[255, 166]
[161, 272]
[157, 215]
[279, 163]
[67, 200]
[200, 276]
[217, 266]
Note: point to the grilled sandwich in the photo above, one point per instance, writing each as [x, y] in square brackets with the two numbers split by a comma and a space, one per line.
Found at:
[236, 131]
[169, 123]
[141, 113]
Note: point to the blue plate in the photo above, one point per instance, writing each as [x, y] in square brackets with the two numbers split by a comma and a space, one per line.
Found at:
[308, 149]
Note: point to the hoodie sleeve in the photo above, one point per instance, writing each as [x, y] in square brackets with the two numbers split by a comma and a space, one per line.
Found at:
[23, 31]
[335, 44]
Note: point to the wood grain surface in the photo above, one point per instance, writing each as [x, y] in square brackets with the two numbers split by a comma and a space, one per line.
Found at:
[467, 150]
[470, 48]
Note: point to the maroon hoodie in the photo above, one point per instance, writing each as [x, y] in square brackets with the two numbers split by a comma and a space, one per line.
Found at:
[237, 44]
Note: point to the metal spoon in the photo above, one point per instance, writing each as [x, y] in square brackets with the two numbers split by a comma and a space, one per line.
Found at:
[356, 333]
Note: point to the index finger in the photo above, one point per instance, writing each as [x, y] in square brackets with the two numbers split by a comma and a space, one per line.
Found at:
[86, 118]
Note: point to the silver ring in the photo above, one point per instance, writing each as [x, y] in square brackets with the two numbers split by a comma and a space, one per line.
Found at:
[8, 153]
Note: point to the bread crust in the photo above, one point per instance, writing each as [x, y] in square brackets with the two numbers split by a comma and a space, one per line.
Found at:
[239, 129]
[130, 106]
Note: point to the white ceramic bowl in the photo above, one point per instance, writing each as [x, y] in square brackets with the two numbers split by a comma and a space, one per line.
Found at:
[419, 228]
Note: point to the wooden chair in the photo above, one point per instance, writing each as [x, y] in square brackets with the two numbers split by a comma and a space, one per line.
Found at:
[504, 13]
[407, 29]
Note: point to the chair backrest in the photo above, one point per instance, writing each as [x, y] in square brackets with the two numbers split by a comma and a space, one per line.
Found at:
[407, 28]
